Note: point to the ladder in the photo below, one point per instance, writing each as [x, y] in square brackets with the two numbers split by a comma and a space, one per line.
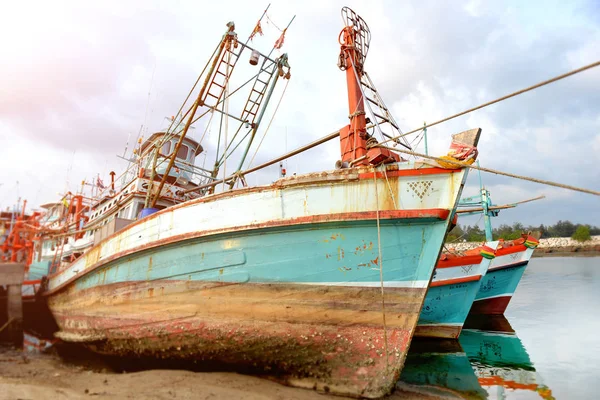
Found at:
[378, 108]
[225, 67]
[267, 69]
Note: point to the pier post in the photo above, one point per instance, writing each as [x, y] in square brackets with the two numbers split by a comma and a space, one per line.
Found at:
[11, 317]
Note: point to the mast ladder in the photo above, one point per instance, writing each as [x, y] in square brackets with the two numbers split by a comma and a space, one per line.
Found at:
[267, 69]
[228, 60]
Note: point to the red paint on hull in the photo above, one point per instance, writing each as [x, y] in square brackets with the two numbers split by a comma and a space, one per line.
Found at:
[448, 262]
[455, 281]
[493, 306]
[408, 172]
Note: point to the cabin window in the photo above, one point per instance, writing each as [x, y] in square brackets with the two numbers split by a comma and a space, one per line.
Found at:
[166, 149]
[183, 152]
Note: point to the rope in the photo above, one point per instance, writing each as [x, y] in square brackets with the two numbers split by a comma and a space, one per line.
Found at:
[7, 323]
[268, 126]
[385, 341]
[508, 96]
[493, 171]
[390, 188]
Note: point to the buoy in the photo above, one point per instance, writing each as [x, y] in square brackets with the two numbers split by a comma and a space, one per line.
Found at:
[254, 57]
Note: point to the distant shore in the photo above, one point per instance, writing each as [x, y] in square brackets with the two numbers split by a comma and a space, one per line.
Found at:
[550, 247]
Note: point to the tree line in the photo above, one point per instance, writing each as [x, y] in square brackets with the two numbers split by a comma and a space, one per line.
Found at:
[510, 232]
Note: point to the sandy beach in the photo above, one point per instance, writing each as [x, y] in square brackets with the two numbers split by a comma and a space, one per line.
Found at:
[48, 376]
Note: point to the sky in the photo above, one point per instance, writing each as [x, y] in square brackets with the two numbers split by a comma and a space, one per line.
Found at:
[83, 79]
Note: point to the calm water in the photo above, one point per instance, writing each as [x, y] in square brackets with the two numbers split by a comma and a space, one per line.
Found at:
[548, 346]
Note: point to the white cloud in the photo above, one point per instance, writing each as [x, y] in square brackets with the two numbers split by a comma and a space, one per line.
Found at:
[78, 80]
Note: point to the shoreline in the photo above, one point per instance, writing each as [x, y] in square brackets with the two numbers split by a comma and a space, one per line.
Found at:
[565, 253]
[548, 247]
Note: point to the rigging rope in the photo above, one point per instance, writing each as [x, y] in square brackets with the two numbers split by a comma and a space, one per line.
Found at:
[492, 171]
[385, 341]
[508, 96]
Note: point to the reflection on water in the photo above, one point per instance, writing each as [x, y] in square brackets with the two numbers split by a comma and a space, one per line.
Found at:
[548, 349]
[487, 362]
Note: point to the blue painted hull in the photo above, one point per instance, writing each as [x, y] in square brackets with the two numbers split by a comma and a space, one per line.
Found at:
[338, 254]
[497, 288]
[446, 308]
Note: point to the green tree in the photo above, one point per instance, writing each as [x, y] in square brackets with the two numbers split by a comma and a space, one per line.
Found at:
[582, 234]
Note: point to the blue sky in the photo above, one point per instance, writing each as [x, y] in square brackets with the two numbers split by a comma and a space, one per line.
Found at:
[83, 77]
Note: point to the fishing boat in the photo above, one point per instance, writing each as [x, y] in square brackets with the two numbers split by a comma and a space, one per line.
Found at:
[316, 279]
[506, 269]
[455, 283]
[500, 361]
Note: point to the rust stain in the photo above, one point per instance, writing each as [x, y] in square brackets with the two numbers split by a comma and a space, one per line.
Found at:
[370, 246]
[375, 261]
[327, 255]
[149, 269]
[150, 292]
[340, 252]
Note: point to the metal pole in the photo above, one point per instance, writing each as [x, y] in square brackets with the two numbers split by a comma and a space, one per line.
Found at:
[268, 163]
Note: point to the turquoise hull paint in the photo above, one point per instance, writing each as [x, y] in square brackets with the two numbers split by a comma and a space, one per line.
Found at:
[495, 349]
[500, 282]
[319, 253]
[38, 269]
[448, 304]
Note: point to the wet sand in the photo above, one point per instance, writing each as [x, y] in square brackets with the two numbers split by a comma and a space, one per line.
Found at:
[48, 376]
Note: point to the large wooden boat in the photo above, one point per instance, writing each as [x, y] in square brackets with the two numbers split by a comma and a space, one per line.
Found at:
[316, 279]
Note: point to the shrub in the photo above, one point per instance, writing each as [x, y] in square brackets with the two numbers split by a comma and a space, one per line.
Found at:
[582, 234]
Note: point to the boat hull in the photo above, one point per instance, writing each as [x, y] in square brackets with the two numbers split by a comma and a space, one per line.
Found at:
[300, 288]
[452, 290]
[501, 280]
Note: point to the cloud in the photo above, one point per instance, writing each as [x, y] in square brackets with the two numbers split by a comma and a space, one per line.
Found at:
[84, 77]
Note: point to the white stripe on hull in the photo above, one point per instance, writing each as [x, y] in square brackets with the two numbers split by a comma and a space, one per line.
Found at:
[496, 296]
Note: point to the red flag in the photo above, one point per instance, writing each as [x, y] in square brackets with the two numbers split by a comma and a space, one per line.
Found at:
[257, 29]
[279, 41]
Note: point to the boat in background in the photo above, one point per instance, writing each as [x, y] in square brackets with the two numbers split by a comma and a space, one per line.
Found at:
[316, 280]
[499, 358]
[512, 256]
[504, 275]
[455, 283]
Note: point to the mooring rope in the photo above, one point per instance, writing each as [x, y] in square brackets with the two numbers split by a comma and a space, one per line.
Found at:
[7, 323]
[489, 103]
[385, 342]
[492, 171]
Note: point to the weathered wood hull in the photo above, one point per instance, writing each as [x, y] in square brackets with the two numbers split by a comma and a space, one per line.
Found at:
[501, 281]
[327, 338]
[451, 293]
[295, 283]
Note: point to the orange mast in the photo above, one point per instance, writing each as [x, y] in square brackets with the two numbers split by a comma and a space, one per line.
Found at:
[354, 41]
